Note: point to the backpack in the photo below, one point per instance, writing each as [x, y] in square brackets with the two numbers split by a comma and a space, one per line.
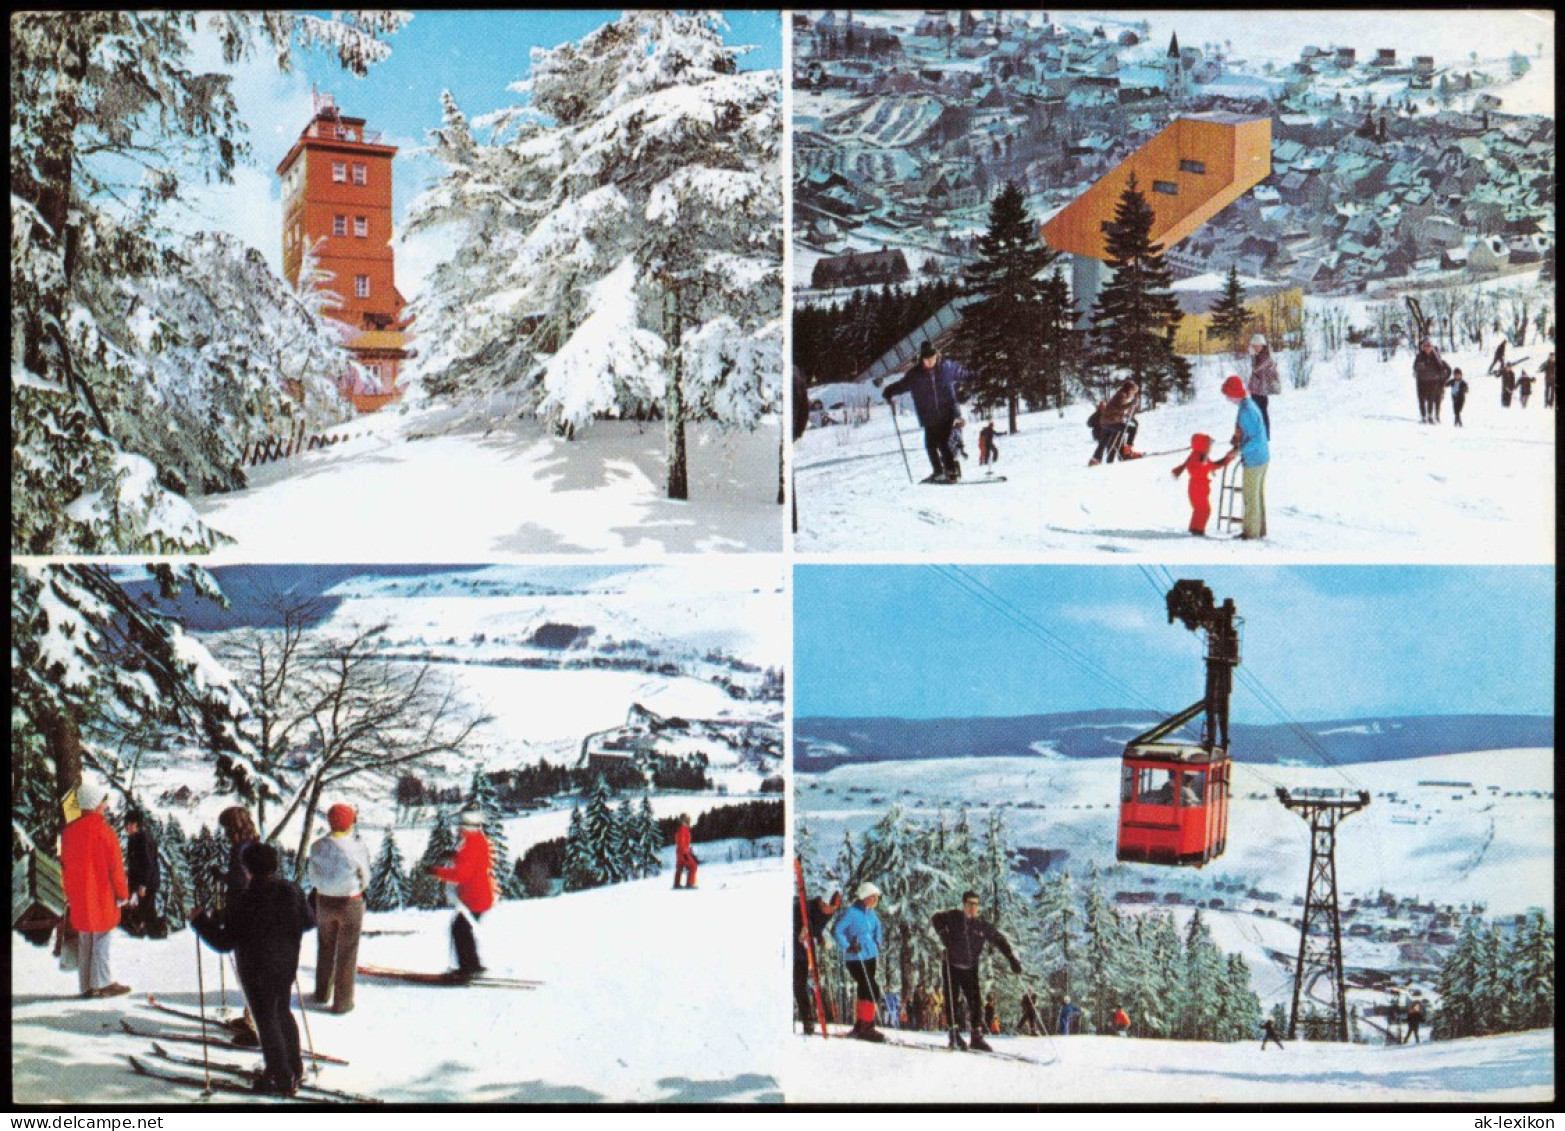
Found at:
[1095, 419]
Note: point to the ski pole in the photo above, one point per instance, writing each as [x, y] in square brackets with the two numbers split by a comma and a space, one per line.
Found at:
[206, 1066]
[315, 1065]
[900, 445]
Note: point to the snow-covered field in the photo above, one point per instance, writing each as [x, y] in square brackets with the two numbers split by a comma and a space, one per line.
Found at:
[1425, 841]
[1354, 477]
[643, 1001]
[405, 489]
[1518, 1068]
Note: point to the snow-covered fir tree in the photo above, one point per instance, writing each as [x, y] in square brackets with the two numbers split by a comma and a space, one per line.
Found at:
[1203, 977]
[578, 870]
[176, 892]
[389, 887]
[648, 840]
[90, 664]
[1057, 935]
[427, 892]
[208, 856]
[617, 241]
[94, 93]
[1103, 946]
[1531, 963]
[600, 836]
[482, 795]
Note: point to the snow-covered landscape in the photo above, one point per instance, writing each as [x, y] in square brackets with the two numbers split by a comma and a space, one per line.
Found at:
[641, 1002]
[1354, 476]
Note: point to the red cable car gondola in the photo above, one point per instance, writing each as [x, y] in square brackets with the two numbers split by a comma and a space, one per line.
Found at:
[1174, 795]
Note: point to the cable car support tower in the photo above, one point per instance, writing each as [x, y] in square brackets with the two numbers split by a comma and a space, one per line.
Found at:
[1320, 931]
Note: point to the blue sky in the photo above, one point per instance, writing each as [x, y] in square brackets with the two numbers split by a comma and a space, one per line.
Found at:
[1327, 642]
[474, 54]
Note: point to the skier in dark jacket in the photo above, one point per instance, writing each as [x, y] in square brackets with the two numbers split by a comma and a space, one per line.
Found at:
[1031, 1023]
[1458, 386]
[263, 926]
[142, 874]
[987, 451]
[1507, 386]
[1499, 358]
[1415, 1018]
[932, 384]
[1070, 1015]
[1524, 385]
[1548, 381]
[1430, 373]
[964, 935]
[820, 910]
[1269, 1033]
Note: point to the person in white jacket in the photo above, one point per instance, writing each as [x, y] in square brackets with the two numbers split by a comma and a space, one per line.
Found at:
[339, 871]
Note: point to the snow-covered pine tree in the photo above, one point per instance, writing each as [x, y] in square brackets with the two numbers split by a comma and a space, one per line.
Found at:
[1531, 964]
[1009, 334]
[1103, 944]
[389, 888]
[599, 837]
[626, 834]
[1240, 1014]
[93, 92]
[648, 840]
[578, 869]
[1460, 1012]
[1136, 313]
[88, 660]
[208, 862]
[1203, 979]
[426, 891]
[1230, 317]
[617, 241]
[1057, 934]
[176, 892]
[1168, 960]
[482, 795]
[1493, 991]
[915, 882]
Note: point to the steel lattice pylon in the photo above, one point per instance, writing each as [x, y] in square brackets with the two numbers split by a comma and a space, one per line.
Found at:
[1320, 931]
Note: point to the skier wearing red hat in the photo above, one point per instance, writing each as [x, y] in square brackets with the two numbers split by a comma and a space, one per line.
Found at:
[339, 871]
[1200, 469]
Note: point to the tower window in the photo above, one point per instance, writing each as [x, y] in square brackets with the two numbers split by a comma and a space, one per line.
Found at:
[361, 226]
[339, 226]
[1167, 188]
[361, 286]
[1192, 166]
[339, 172]
[360, 173]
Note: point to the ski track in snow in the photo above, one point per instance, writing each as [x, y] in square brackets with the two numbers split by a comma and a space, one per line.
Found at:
[397, 493]
[1113, 1070]
[642, 1002]
[1354, 477]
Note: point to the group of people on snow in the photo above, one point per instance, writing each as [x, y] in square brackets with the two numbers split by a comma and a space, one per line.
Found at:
[958, 1005]
[261, 916]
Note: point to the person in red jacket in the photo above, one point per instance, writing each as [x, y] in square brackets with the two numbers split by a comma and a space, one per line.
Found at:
[1121, 1022]
[472, 871]
[1200, 469]
[93, 873]
[685, 861]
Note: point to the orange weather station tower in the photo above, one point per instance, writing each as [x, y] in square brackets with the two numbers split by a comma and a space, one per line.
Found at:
[336, 185]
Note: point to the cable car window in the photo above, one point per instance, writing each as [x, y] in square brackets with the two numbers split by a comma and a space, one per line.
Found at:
[1157, 786]
[1127, 780]
[1192, 790]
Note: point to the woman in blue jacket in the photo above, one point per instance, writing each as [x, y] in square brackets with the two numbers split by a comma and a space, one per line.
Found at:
[857, 932]
[1254, 454]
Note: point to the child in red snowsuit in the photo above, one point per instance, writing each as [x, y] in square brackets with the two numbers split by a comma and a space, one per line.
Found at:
[1200, 469]
[684, 860]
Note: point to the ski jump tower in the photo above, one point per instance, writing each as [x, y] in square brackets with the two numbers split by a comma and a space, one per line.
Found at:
[1320, 931]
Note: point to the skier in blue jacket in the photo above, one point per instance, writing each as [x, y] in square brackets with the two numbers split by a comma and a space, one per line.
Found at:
[1254, 455]
[857, 932]
[932, 384]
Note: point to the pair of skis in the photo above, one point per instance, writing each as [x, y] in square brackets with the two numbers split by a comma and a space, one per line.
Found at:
[422, 978]
[234, 1079]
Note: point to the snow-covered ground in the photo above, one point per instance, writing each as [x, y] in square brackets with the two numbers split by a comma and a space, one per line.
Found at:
[1518, 1067]
[643, 1001]
[1354, 477]
[406, 489]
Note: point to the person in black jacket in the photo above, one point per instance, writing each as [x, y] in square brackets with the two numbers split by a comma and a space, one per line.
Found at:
[932, 384]
[821, 912]
[964, 934]
[1430, 373]
[1458, 387]
[1030, 1023]
[142, 875]
[263, 925]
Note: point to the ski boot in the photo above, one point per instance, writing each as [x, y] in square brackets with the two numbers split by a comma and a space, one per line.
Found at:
[1093, 462]
[977, 1043]
[866, 1031]
[956, 1042]
[1128, 452]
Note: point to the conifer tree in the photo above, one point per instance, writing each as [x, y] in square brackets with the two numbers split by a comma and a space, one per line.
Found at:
[1008, 334]
[481, 795]
[1531, 963]
[1204, 981]
[389, 888]
[1102, 953]
[1136, 313]
[176, 890]
[426, 891]
[1057, 927]
[1230, 316]
[648, 840]
[579, 872]
[1460, 1012]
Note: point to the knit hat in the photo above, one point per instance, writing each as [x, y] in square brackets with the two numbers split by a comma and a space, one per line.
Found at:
[473, 818]
[1233, 387]
[866, 889]
[1258, 341]
[341, 817]
[1200, 443]
[90, 795]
